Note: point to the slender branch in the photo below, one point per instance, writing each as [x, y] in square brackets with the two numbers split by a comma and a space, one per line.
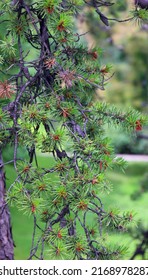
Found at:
[121, 20]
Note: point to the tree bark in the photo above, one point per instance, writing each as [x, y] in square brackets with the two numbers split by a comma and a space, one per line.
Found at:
[6, 240]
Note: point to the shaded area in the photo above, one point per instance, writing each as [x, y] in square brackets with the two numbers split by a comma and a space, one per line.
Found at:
[6, 240]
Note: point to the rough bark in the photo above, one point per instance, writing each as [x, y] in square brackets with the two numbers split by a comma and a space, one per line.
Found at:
[6, 240]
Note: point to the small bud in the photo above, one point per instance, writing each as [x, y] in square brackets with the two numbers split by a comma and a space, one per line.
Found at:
[65, 112]
[104, 70]
[61, 26]
[130, 217]
[92, 232]
[33, 208]
[94, 55]
[50, 10]
[56, 137]
[26, 169]
[111, 214]
[63, 40]
[82, 205]
[138, 125]
[6, 89]
[101, 165]
[58, 252]
[79, 247]
[94, 181]
[59, 235]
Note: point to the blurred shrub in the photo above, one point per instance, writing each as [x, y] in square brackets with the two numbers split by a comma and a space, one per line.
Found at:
[144, 183]
[129, 85]
[120, 6]
[138, 168]
[143, 188]
[9, 150]
[126, 144]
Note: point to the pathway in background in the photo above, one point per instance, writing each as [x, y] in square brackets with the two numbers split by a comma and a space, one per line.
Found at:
[136, 158]
[132, 158]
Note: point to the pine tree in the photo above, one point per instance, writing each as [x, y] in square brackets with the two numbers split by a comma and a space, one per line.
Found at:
[47, 90]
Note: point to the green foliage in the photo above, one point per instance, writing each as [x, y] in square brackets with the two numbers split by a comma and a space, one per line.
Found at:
[124, 185]
[5, 6]
[141, 15]
[1, 60]
[7, 47]
[51, 110]
[4, 124]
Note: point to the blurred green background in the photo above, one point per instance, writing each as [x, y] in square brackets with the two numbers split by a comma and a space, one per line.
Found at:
[125, 48]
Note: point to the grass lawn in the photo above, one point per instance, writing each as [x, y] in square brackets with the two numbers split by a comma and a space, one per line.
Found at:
[124, 185]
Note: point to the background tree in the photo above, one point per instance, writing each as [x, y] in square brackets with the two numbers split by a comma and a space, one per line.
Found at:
[49, 79]
[126, 49]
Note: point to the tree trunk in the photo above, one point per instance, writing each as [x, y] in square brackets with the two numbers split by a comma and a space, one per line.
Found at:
[6, 241]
